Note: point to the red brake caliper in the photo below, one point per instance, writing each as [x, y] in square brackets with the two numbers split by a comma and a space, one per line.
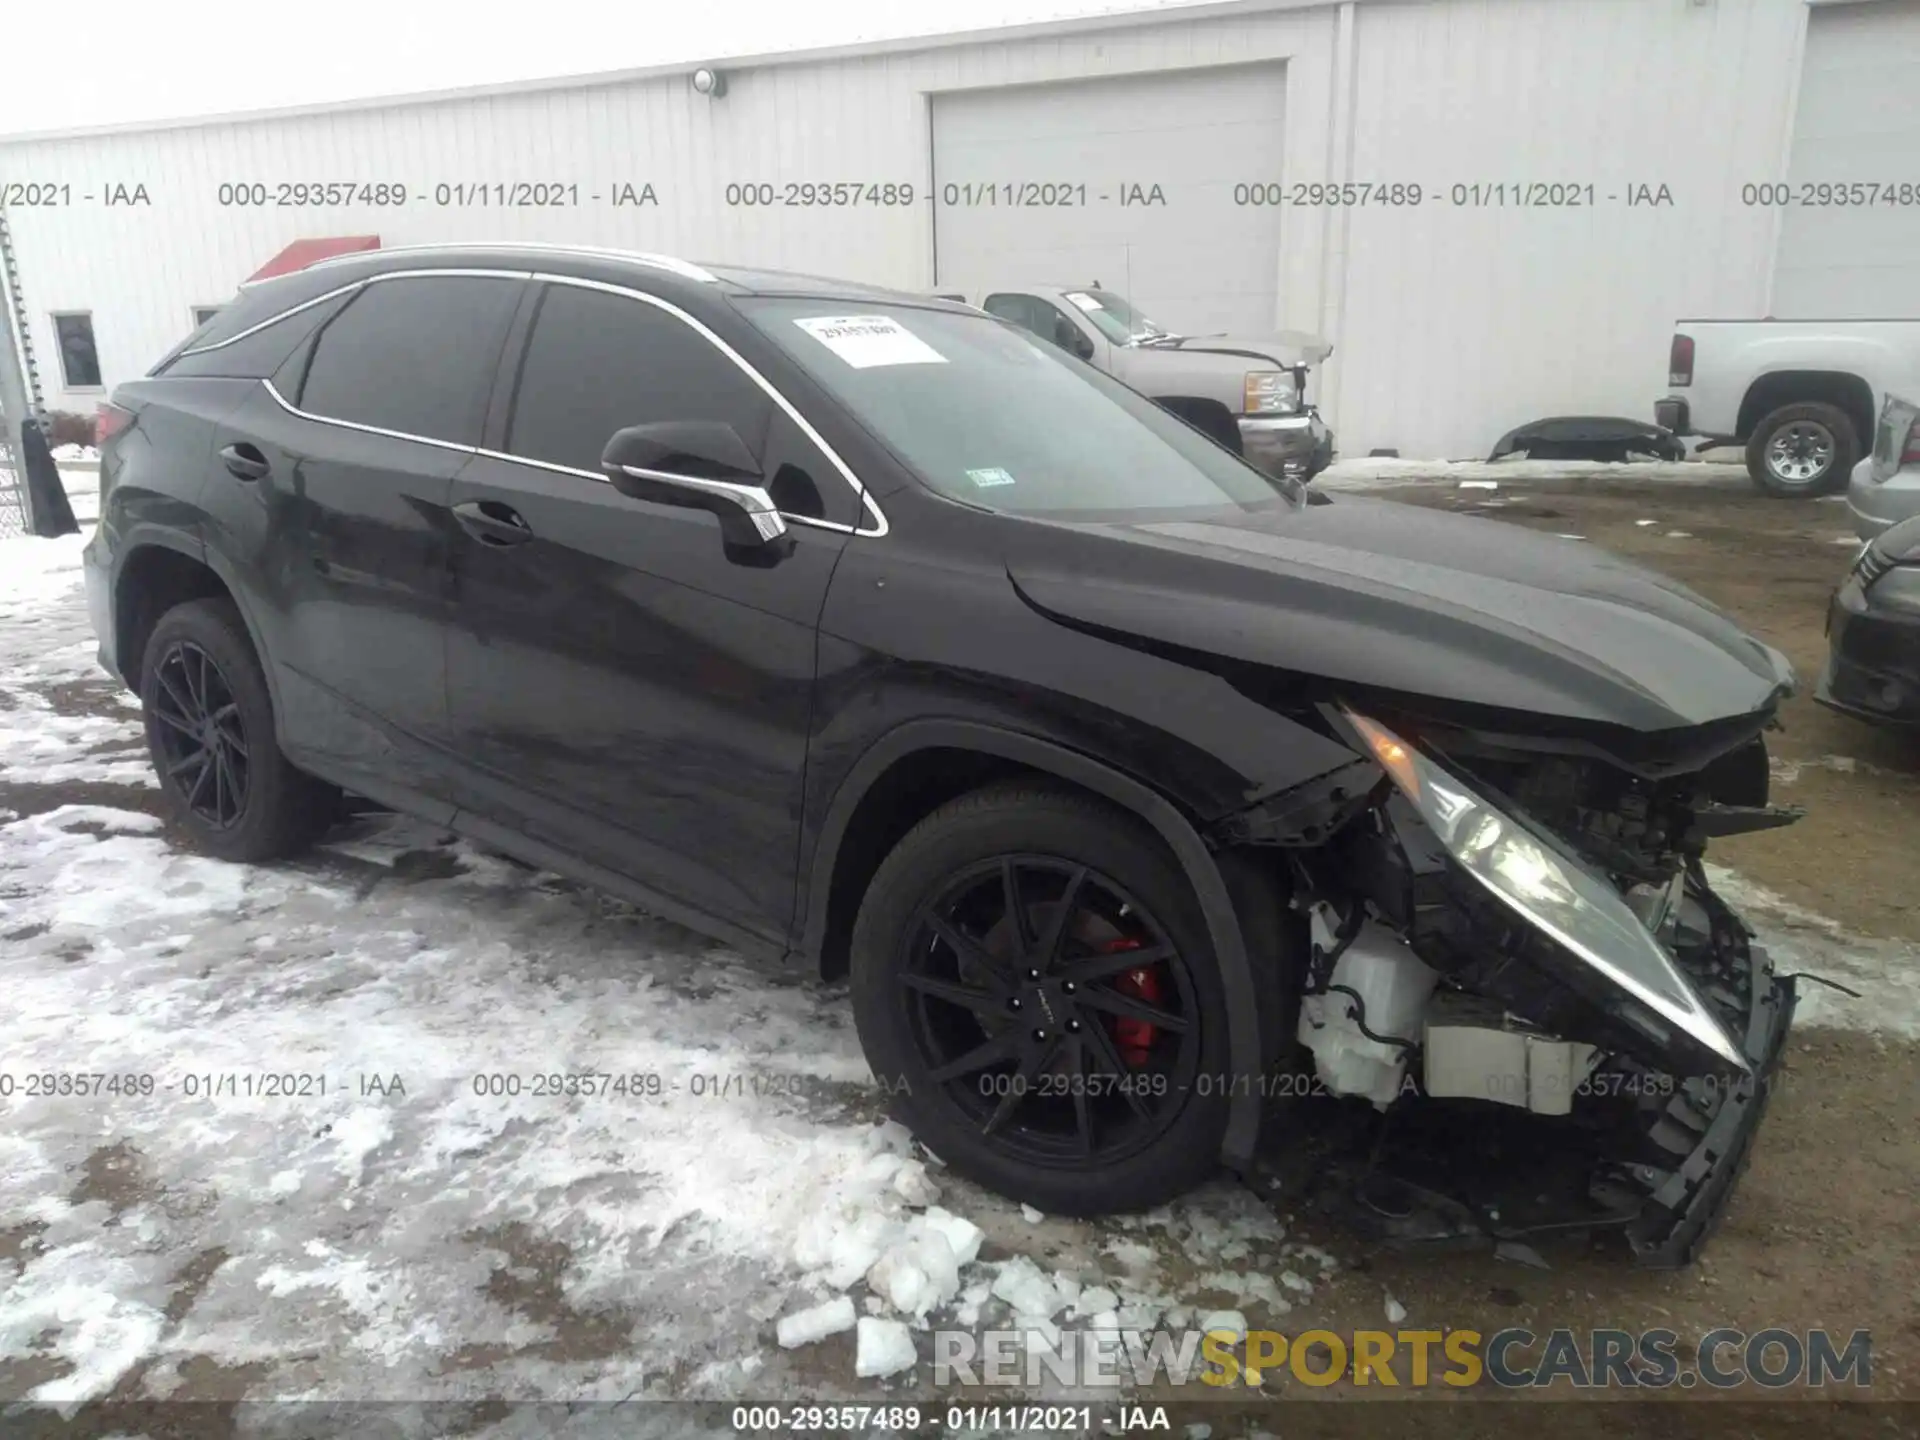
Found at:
[1135, 1037]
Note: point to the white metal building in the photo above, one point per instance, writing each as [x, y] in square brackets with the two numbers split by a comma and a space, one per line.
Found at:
[1491, 301]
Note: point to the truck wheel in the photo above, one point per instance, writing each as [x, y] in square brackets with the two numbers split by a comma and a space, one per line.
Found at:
[1802, 450]
[1033, 983]
[210, 732]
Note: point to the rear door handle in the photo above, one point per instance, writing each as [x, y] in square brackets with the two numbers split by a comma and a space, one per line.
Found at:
[492, 522]
[244, 462]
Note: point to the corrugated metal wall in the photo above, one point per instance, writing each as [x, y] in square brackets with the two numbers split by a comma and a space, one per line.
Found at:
[1451, 322]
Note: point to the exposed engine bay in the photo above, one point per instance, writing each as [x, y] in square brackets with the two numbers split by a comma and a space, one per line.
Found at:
[1534, 1011]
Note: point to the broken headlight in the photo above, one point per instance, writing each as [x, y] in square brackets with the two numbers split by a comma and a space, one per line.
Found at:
[1557, 894]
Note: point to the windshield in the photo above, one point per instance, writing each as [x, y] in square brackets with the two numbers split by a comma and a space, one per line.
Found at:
[987, 414]
[1115, 318]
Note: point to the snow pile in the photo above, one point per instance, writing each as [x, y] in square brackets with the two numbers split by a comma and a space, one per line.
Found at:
[1378, 472]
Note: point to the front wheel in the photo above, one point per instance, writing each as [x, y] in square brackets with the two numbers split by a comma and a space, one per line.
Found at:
[1032, 980]
[1802, 450]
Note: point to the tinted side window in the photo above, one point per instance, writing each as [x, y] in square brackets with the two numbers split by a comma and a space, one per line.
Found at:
[260, 354]
[416, 356]
[596, 363]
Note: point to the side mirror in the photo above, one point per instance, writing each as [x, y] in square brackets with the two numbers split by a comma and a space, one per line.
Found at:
[697, 465]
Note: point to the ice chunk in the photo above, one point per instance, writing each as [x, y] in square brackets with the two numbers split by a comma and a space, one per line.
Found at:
[1229, 1320]
[805, 1327]
[962, 1235]
[1396, 1312]
[917, 1272]
[1095, 1300]
[1024, 1286]
[911, 1184]
[883, 1347]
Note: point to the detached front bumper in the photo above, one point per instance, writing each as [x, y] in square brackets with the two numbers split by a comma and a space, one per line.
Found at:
[1688, 1198]
[1300, 446]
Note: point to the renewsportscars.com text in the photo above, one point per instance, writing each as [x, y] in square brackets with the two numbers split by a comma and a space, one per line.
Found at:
[1721, 1358]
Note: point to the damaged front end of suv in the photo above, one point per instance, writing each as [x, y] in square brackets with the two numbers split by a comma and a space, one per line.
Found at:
[1538, 1012]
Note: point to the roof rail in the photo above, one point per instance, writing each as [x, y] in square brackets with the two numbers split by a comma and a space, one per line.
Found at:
[686, 269]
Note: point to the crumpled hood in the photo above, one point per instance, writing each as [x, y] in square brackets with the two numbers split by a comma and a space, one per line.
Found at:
[1285, 348]
[1406, 599]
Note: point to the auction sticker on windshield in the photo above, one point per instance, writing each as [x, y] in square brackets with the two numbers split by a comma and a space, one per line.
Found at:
[990, 475]
[864, 341]
[1085, 301]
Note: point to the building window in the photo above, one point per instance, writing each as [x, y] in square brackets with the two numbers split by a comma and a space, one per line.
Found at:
[79, 361]
[204, 313]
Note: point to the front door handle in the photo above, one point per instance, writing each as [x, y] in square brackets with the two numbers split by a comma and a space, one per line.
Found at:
[244, 462]
[492, 523]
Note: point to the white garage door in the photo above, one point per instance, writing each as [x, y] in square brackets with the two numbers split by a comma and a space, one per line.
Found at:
[1191, 257]
[1858, 121]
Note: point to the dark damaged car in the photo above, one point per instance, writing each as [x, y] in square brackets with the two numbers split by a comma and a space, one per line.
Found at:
[1159, 813]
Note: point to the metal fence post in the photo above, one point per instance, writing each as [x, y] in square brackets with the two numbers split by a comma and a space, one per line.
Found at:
[16, 395]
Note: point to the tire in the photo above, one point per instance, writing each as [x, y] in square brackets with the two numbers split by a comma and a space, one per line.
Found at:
[200, 662]
[1038, 1154]
[1794, 437]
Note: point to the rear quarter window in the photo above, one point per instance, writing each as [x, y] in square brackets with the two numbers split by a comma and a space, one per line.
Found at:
[252, 356]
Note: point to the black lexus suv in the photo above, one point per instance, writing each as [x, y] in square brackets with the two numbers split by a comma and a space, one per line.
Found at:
[1159, 812]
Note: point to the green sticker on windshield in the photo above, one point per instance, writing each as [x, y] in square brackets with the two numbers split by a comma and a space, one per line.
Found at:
[992, 475]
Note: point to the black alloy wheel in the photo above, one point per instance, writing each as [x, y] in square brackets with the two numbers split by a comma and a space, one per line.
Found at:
[1053, 1008]
[200, 736]
[1035, 989]
[211, 734]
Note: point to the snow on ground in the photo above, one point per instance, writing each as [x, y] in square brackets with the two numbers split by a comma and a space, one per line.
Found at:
[319, 1144]
[1379, 472]
[327, 1153]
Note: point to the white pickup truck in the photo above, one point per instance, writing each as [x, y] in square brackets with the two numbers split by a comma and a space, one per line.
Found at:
[1802, 396]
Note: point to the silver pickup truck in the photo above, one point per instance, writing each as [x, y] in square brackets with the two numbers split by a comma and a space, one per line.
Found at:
[1249, 392]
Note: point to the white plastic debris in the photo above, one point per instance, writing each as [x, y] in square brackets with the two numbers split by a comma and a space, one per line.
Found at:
[962, 1235]
[883, 1347]
[1679, 534]
[1396, 1312]
[1095, 1300]
[1479, 484]
[911, 1184]
[806, 1327]
[1031, 1215]
[1645, 523]
[1229, 1320]
[917, 1272]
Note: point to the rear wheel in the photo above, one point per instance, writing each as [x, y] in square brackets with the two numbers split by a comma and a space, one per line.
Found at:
[210, 732]
[1802, 450]
[1033, 980]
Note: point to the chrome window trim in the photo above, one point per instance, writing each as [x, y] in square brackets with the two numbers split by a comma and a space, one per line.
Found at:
[873, 510]
[359, 284]
[292, 409]
[879, 527]
[672, 264]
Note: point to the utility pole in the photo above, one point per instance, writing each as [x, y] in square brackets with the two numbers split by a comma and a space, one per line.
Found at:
[19, 390]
